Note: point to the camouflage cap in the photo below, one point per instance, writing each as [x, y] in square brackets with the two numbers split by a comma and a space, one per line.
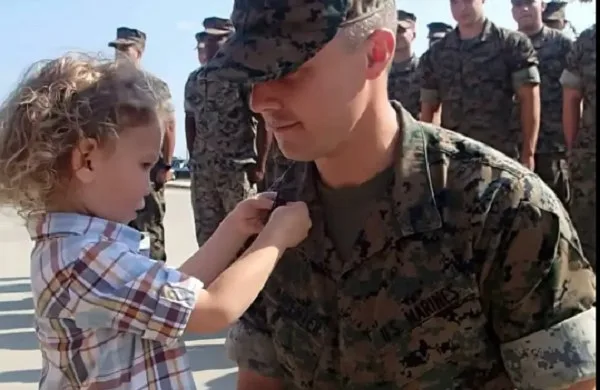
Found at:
[274, 38]
[200, 36]
[217, 26]
[406, 19]
[129, 36]
[554, 10]
[438, 30]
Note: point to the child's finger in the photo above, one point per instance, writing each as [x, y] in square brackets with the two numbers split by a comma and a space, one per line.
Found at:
[263, 203]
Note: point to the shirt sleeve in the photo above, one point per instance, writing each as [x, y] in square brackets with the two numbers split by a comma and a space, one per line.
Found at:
[116, 288]
[522, 60]
[188, 94]
[429, 87]
[249, 342]
[538, 289]
[572, 74]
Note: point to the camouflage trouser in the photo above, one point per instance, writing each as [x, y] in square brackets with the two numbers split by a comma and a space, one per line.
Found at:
[553, 169]
[150, 219]
[215, 192]
[582, 166]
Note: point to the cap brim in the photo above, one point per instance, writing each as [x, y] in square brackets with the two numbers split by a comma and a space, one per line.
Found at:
[405, 25]
[120, 42]
[217, 32]
[249, 58]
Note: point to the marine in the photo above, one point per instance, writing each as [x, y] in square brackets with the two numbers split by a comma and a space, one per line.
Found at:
[554, 16]
[437, 31]
[433, 262]
[552, 47]
[474, 73]
[403, 82]
[229, 154]
[579, 88]
[129, 45]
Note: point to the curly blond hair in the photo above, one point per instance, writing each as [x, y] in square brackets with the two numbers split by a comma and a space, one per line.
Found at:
[58, 104]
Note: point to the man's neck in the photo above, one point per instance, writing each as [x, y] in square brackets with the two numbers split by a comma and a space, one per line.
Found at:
[471, 30]
[402, 55]
[531, 30]
[370, 149]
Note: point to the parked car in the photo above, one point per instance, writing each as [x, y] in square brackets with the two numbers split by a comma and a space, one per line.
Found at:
[180, 169]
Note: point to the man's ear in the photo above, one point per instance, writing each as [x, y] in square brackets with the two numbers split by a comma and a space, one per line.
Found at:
[380, 51]
[84, 160]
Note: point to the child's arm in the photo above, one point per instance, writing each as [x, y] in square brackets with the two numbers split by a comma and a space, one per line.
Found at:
[216, 254]
[234, 290]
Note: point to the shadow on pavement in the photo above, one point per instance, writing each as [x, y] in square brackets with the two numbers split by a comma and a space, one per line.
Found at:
[21, 341]
[16, 288]
[23, 304]
[16, 321]
[208, 357]
[22, 376]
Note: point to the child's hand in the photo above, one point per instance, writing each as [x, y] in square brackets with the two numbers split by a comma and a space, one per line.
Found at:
[289, 224]
[247, 218]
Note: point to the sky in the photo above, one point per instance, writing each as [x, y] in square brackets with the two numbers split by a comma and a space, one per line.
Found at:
[34, 30]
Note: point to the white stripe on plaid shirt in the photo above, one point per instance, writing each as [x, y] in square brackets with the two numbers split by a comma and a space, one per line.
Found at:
[107, 317]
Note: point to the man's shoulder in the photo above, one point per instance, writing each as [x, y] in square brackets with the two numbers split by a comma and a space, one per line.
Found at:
[460, 149]
[588, 35]
[193, 76]
[468, 164]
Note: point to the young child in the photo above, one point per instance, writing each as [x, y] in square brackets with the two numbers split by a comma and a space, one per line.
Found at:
[77, 141]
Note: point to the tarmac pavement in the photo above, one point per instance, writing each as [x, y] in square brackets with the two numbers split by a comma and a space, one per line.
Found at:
[20, 359]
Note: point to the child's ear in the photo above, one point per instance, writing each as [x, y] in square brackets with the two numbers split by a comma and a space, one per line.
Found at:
[83, 160]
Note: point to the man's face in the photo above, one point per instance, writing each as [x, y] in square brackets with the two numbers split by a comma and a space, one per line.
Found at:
[404, 37]
[527, 13]
[130, 52]
[212, 44]
[313, 111]
[202, 57]
[466, 12]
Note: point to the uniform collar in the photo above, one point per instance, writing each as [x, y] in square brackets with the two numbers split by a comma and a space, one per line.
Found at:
[409, 206]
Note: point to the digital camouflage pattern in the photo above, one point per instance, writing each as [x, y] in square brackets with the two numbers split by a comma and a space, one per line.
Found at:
[475, 80]
[403, 85]
[580, 73]
[188, 92]
[468, 274]
[215, 193]
[259, 50]
[151, 218]
[224, 146]
[552, 48]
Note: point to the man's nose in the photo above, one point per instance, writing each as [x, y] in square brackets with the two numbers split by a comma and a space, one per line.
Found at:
[265, 97]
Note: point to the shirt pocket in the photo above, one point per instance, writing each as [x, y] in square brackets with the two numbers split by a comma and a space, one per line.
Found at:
[435, 331]
[298, 339]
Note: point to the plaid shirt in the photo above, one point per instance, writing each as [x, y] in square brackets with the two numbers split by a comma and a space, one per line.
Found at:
[107, 317]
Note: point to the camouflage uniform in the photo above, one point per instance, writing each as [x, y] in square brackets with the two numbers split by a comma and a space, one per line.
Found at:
[580, 74]
[552, 48]
[403, 81]
[150, 218]
[437, 31]
[223, 147]
[475, 81]
[465, 273]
